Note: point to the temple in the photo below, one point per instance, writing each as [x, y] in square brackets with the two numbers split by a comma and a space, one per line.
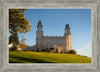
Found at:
[62, 44]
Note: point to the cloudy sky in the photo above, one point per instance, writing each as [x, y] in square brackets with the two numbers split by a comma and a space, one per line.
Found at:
[54, 21]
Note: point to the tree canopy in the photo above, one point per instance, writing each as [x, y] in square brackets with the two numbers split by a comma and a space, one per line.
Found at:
[17, 23]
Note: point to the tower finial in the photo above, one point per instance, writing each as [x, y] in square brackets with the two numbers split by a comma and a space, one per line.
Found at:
[67, 26]
[39, 24]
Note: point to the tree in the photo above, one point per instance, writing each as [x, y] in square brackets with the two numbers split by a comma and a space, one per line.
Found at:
[23, 44]
[56, 51]
[14, 38]
[17, 23]
[11, 39]
[72, 52]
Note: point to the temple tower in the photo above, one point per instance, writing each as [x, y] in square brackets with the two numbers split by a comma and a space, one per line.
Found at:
[39, 33]
[67, 36]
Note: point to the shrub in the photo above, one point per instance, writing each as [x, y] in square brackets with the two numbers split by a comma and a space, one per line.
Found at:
[32, 50]
[24, 50]
[72, 52]
[43, 50]
[61, 51]
[48, 49]
[39, 50]
[56, 51]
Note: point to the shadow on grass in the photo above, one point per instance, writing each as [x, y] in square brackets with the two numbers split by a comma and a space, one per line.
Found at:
[26, 60]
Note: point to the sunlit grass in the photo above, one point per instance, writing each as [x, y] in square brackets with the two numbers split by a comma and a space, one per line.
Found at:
[45, 57]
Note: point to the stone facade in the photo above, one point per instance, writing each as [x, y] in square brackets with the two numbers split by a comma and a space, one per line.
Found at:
[63, 44]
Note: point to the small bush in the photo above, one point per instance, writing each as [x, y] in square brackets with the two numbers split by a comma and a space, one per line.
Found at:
[39, 50]
[43, 50]
[24, 50]
[32, 50]
[56, 51]
[46, 50]
[61, 51]
[72, 52]
[49, 50]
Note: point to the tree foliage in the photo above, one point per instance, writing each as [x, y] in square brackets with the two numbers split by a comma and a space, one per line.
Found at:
[72, 52]
[17, 23]
[56, 51]
[46, 50]
[23, 44]
[61, 51]
[39, 49]
[49, 50]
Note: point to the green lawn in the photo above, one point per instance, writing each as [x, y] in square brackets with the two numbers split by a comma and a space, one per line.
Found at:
[45, 57]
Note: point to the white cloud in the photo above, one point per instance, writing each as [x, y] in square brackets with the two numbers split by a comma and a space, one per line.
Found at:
[86, 50]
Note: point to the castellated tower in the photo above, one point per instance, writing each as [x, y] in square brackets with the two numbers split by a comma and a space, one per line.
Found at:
[39, 33]
[67, 36]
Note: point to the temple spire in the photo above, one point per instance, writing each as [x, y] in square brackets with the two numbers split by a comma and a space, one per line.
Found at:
[39, 24]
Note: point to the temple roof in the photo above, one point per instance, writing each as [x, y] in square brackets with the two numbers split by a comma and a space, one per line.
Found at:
[40, 24]
[67, 26]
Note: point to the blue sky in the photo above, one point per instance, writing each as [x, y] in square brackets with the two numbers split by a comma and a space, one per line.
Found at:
[54, 21]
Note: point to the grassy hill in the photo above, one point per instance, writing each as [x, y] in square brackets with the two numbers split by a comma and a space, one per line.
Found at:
[45, 57]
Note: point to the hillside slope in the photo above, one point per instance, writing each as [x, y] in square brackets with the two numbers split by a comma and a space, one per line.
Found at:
[45, 57]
